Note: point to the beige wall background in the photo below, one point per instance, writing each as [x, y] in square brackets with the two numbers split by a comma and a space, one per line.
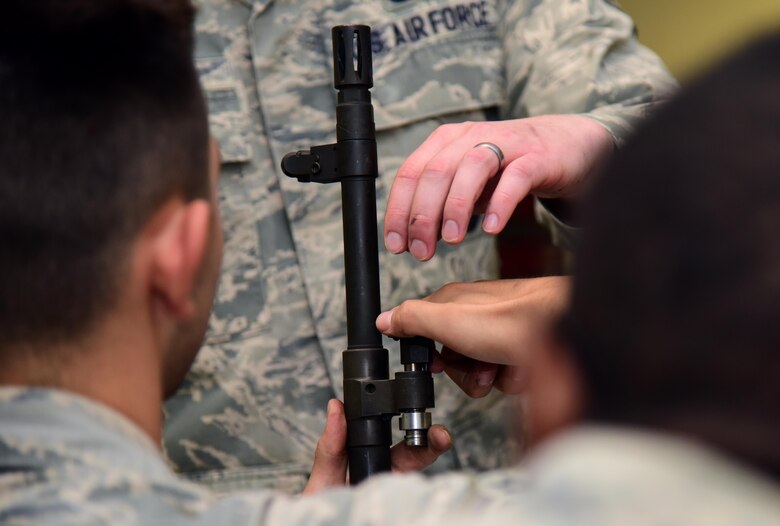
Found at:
[692, 34]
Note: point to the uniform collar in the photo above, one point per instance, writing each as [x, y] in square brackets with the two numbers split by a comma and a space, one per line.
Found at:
[40, 428]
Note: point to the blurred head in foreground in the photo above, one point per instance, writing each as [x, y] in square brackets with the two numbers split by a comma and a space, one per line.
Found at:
[675, 318]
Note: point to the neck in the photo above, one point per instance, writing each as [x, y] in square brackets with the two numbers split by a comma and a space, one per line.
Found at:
[117, 367]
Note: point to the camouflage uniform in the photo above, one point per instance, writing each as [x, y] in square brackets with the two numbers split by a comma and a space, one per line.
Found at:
[65, 460]
[254, 404]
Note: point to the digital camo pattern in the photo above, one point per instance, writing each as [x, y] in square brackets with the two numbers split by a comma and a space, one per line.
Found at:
[66, 461]
[254, 404]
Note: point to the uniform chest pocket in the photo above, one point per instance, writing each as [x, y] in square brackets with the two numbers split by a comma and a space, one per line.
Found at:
[432, 63]
[228, 111]
[240, 309]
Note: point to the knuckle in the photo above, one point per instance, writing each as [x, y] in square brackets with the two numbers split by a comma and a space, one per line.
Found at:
[517, 172]
[520, 170]
[396, 213]
[481, 128]
[408, 172]
[438, 168]
[445, 130]
[421, 221]
[404, 307]
[502, 197]
[401, 315]
[493, 131]
[458, 203]
[476, 155]
[482, 158]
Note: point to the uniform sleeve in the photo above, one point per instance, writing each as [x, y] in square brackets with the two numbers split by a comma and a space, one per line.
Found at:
[563, 234]
[387, 500]
[579, 56]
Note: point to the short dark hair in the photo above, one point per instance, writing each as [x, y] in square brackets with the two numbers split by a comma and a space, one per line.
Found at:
[675, 315]
[101, 120]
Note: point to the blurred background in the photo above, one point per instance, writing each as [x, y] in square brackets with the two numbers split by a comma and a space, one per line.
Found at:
[689, 35]
[692, 34]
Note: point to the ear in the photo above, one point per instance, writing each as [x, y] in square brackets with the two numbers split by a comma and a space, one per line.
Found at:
[179, 240]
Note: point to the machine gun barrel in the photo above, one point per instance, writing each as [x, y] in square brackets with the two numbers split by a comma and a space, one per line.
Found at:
[371, 399]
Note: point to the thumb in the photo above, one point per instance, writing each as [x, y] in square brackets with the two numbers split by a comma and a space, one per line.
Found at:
[409, 458]
[413, 318]
[457, 326]
[330, 457]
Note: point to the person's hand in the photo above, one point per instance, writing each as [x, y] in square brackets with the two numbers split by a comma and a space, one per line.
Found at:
[330, 457]
[446, 180]
[488, 329]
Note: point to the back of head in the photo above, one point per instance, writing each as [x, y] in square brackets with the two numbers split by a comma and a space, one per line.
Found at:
[101, 120]
[674, 319]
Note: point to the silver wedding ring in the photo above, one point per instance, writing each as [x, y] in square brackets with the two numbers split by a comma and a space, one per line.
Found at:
[495, 149]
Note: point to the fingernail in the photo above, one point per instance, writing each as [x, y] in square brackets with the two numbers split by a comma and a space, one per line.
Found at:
[419, 249]
[491, 223]
[485, 378]
[394, 242]
[383, 321]
[450, 231]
